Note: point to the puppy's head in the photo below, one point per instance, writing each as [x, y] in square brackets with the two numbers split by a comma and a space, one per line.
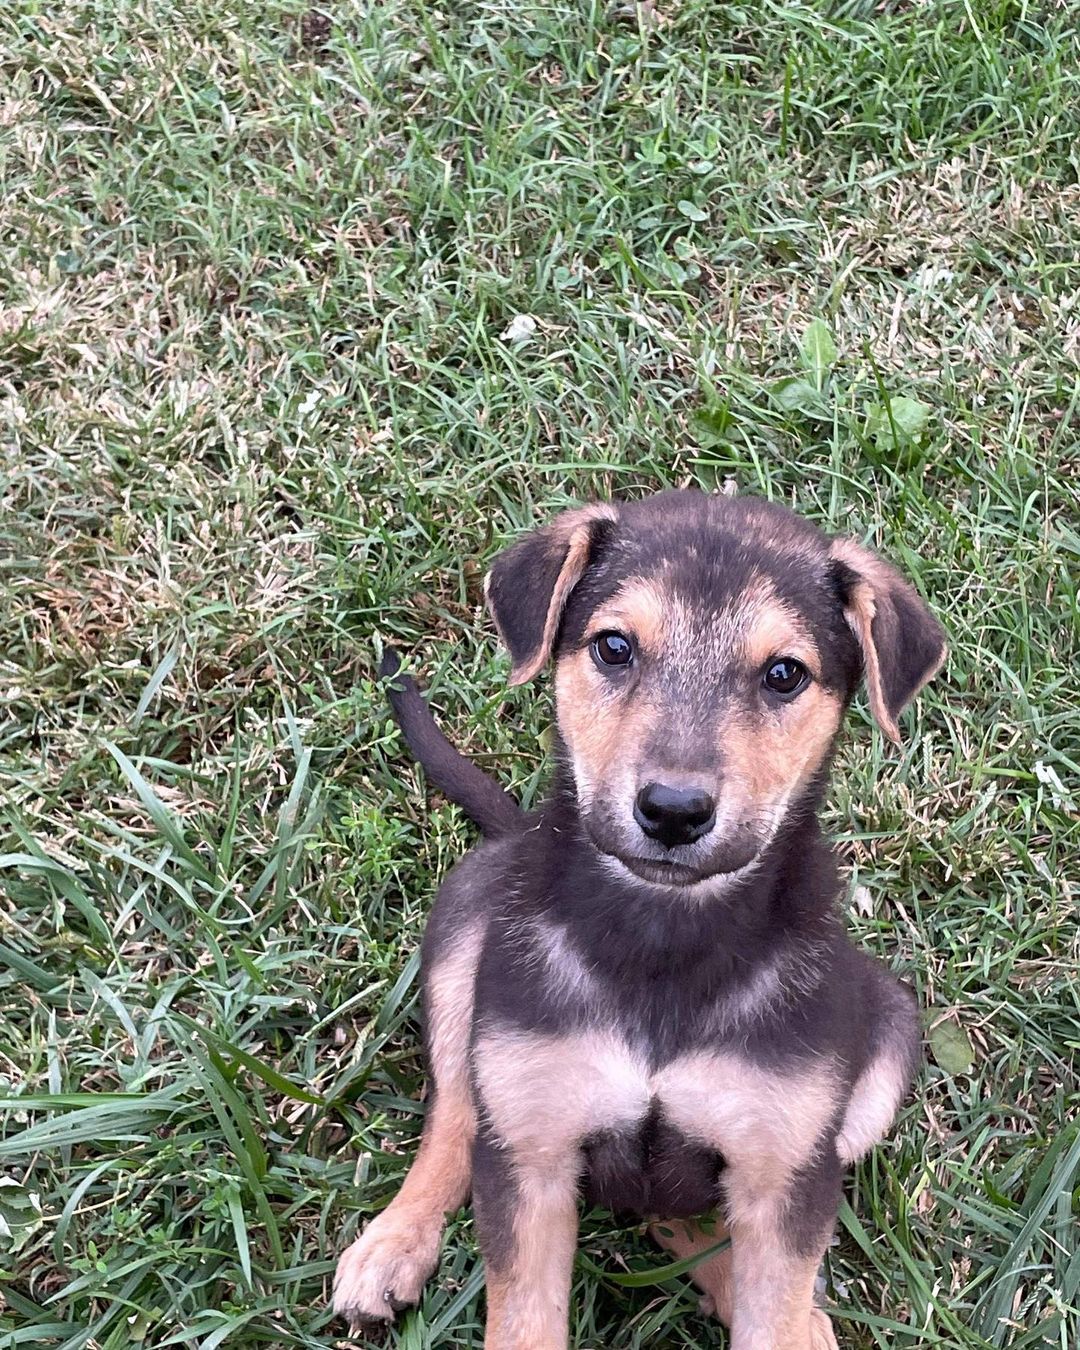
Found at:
[705, 651]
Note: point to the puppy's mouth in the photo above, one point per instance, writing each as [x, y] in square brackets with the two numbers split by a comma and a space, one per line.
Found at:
[661, 871]
[735, 851]
[668, 872]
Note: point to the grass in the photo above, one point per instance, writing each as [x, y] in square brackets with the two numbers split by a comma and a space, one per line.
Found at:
[259, 416]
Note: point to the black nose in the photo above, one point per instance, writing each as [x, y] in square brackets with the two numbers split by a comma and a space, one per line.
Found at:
[674, 815]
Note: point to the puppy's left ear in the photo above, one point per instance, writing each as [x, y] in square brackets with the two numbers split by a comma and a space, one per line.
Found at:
[529, 584]
[903, 645]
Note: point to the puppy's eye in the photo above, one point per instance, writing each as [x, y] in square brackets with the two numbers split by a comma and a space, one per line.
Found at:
[786, 677]
[612, 649]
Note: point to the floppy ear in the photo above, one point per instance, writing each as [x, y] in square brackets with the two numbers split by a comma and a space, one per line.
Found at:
[528, 585]
[903, 645]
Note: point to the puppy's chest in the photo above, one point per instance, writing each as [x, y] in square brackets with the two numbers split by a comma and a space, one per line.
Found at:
[592, 1093]
[567, 1087]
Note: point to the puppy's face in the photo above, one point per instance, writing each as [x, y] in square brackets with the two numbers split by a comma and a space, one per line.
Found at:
[690, 732]
[705, 652]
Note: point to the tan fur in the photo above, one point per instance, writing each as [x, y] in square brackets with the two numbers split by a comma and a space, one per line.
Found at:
[877, 579]
[860, 616]
[771, 754]
[713, 1276]
[876, 572]
[774, 1294]
[875, 1100]
[593, 718]
[596, 726]
[399, 1248]
[775, 1310]
[766, 757]
[774, 629]
[562, 1088]
[774, 752]
[570, 532]
[528, 1302]
[767, 1125]
[588, 719]
[644, 608]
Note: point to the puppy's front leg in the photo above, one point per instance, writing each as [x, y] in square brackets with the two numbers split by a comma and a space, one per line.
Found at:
[386, 1267]
[527, 1221]
[778, 1237]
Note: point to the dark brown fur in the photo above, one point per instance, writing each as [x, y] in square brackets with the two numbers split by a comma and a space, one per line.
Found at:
[668, 1027]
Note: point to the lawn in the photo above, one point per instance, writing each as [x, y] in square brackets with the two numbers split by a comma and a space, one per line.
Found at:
[304, 312]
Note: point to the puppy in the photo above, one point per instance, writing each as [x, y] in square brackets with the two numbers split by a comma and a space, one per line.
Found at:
[643, 992]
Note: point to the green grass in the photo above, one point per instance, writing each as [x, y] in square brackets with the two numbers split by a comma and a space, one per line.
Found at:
[258, 416]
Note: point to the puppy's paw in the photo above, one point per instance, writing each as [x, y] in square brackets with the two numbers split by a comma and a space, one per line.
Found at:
[385, 1268]
[822, 1336]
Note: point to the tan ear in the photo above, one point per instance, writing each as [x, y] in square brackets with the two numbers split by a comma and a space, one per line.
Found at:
[528, 585]
[903, 645]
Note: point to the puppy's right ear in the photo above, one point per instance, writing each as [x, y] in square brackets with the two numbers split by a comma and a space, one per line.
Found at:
[528, 585]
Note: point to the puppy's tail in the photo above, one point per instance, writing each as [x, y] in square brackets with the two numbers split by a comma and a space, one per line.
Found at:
[478, 795]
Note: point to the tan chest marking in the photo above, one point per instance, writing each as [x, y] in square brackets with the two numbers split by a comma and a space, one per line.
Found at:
[766, 1123]
[546, 1094]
